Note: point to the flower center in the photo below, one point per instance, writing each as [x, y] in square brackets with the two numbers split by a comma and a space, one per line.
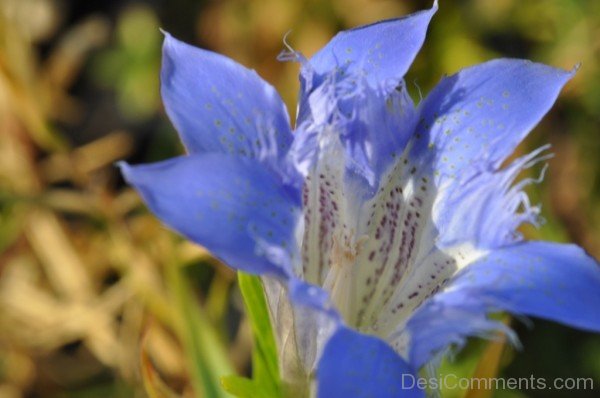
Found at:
[344, 251]
[376, 256]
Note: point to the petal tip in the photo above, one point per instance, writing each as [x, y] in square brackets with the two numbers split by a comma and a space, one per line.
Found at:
[126, 170]
[171, 46]
[168, 41]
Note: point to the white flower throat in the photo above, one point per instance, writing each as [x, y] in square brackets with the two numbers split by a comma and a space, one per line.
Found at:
[377, 257]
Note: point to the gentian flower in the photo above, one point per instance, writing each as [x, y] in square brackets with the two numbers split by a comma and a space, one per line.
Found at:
[384, 231]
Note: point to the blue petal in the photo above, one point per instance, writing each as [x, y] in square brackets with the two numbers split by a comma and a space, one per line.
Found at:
[446, 320]
[374, 127]
[311, 296]
[553, 281]
[547, 280]
[474, 119]
[357, 365]
[379, 131]
[378, 54]
[236, 208]
[381, 52]
[488, 208]
[218, 105]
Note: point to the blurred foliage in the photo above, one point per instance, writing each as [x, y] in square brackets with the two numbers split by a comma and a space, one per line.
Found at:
[131, 65]
[265, 381]
[97, 299]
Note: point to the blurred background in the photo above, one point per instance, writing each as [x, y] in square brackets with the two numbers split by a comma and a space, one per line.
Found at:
[97, 299]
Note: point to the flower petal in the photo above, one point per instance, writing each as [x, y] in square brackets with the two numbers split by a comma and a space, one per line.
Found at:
[327, 216]
[358, 365]
[377, 55]
[377, 135]
[218, 105]
[554, 281]
[547, 280]
[381, 52]
[236, 208]
[374, 127]
[446, 319]
[474, 119]
[488, 208]
[351, 84]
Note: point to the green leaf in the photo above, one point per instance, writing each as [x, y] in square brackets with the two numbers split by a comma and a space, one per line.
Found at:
[243, 387]
[266, 381]
[201, 342]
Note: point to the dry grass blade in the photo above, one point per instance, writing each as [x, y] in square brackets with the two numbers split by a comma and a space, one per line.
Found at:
[61, 263]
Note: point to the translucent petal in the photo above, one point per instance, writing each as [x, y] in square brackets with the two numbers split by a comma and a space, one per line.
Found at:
[304, 320]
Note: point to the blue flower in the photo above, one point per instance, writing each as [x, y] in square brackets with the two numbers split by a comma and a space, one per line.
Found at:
[385, 231]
